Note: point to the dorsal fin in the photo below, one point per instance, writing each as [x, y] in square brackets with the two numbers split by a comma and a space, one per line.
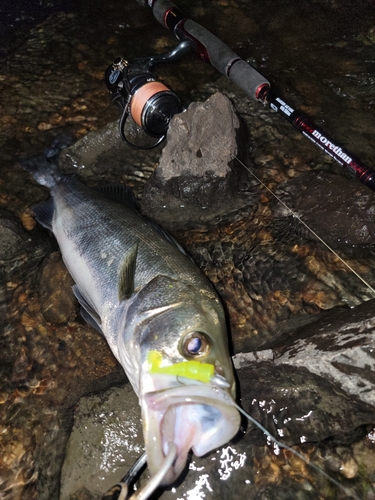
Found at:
[127, 273]
[125, 195]
[167, 237]
[120, 193]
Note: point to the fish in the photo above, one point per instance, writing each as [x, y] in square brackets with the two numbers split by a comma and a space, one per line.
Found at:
[161, 317]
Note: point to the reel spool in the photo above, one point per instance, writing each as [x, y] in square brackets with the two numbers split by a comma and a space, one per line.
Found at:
[139, 94]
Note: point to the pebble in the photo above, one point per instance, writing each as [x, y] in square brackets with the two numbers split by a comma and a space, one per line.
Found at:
[57, 301]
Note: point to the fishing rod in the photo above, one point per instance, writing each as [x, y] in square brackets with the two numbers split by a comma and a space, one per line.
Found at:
[212, 50]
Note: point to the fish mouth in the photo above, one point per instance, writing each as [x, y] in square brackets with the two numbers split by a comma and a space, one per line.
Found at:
[200, 417]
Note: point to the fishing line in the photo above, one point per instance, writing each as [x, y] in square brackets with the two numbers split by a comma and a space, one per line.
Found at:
[296, 216]
[348, 492]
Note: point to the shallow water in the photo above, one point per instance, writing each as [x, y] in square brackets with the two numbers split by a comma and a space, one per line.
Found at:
[320, 56]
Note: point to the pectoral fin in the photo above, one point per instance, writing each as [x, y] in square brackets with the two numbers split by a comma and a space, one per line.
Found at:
[44, 213]
[88, 312]
[127, 273]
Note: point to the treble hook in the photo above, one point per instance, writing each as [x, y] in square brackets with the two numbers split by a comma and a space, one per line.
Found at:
[121, 489]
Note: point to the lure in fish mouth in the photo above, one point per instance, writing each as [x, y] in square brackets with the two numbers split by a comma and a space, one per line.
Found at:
[186, 383]
[161, 317]
[193, 413]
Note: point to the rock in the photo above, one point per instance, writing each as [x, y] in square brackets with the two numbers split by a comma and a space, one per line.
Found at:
[13, 237]
[18, 248]
[190, 149]
[340, 211]
[298, 406]
[83, 494]
[363, 450]
[101, 154]
[288, 489]
[198, 168]
[57, 301]
[340, 347]
[90, 151]
[325, 375]
[243, 359]
[105, 425]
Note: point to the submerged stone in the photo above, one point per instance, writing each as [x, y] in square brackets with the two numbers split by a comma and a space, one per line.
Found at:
[297, 406]
[105, 425]
[101, 154]
[57, 301]
[13, 237]
[340, 211]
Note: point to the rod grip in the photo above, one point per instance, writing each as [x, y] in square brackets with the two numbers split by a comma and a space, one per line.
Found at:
[247, 78]
[210, 48]
[160, 9]
[224, 59]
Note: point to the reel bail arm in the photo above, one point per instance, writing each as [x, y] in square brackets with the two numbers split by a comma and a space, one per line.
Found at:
[138, 93]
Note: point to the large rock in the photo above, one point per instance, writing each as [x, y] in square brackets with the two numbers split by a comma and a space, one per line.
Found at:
[339, 346]
[340, 212]
[102, 155]
[199, 168]
[321, 384]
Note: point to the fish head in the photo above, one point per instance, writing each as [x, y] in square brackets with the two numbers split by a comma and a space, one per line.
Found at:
[186, 379]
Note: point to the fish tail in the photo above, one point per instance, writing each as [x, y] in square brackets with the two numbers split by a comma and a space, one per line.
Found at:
[44, 167]
[43, 171]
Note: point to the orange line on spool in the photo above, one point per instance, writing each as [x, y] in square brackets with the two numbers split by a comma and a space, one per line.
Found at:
[142, 96]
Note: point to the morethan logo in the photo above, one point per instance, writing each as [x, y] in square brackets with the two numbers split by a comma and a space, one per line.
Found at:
[335, 149]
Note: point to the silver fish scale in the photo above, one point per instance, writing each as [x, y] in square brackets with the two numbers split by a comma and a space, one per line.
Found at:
[149, 300]
[98, 232]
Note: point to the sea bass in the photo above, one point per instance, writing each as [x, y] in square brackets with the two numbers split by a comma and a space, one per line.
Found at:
[161, 317]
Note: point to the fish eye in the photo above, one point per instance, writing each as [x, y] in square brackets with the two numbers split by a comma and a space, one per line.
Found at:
[195, 344]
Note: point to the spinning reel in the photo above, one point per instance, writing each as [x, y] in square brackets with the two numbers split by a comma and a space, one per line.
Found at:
[138, 93]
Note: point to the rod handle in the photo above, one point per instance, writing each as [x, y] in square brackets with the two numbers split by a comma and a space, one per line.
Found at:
[210, 48]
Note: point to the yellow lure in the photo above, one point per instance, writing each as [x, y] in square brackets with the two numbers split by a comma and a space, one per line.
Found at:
[189, 369]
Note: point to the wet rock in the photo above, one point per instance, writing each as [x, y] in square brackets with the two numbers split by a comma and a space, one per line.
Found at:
[197, 170]
[341, 212]
[102, 154]
[326, 375]
[82, 494]
[105, 425]
[57, 301]
[339, 346]
[297, 406]
[362, 453]
[18, 249]
[289, 489]
[13, 237]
